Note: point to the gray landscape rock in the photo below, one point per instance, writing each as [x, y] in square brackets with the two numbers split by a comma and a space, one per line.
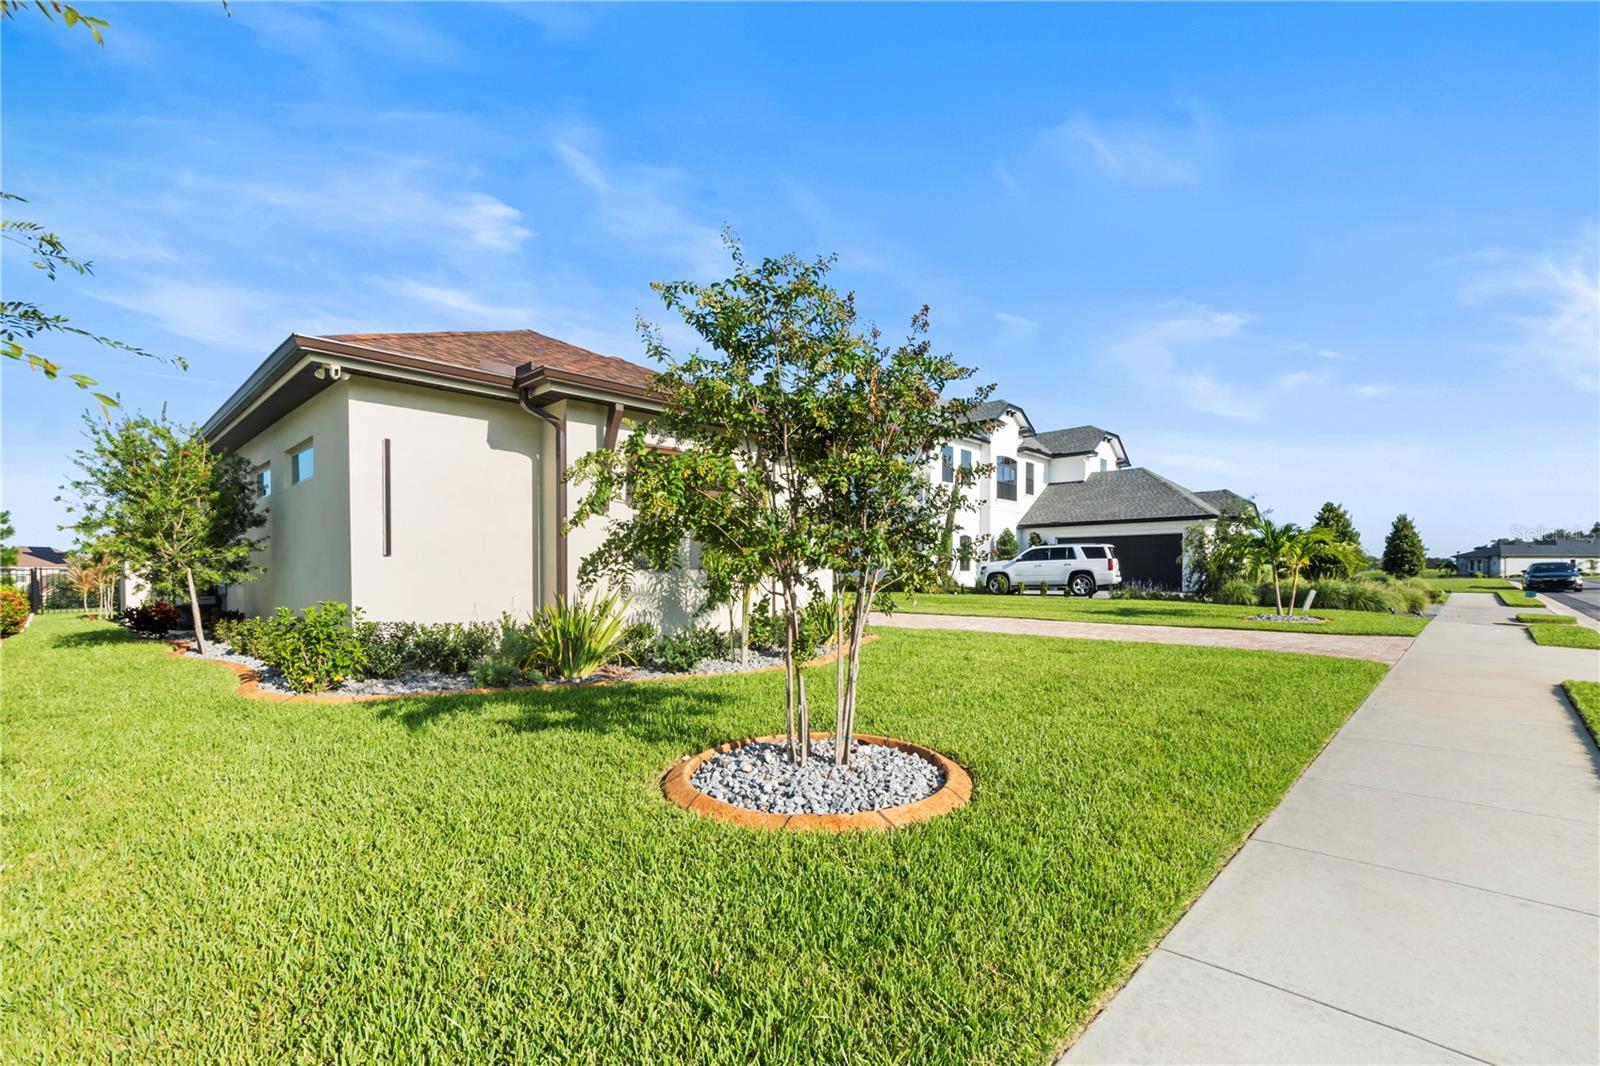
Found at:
[760, 777]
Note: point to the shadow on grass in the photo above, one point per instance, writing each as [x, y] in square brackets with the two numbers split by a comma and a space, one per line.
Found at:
[89, 638]
[653, 712]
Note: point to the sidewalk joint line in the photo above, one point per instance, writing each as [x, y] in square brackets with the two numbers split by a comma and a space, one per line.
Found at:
[1427, 877]
[1324, 1003]
[1445, 799]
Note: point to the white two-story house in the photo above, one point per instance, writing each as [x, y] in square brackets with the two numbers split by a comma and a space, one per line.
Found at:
[1071, 485]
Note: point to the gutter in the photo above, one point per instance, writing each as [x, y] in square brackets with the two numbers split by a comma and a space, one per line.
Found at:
[559, 425]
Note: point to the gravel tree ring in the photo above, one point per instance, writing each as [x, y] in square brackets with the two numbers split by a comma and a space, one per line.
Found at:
[955, 792]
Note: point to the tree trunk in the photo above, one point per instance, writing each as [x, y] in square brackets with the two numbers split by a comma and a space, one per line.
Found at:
[744, 625]
[194, 612]
[1294, 590]
[1277, 590]
[788, 681]
[840, 745]
[858, 628]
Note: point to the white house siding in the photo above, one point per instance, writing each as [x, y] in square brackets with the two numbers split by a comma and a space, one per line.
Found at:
[464, 504]
[309, 522]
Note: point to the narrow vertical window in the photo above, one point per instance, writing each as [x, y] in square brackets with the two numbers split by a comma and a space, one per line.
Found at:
[947, 464]
[388, 542]
[302, 463]
[264, 480]
[1029, 470]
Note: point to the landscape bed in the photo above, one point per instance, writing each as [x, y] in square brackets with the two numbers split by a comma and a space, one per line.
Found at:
[195, 876]
[1154, 613]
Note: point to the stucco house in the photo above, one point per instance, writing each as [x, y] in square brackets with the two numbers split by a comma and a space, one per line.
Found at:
[1509, 560]
[1071, 485]
[418, 475]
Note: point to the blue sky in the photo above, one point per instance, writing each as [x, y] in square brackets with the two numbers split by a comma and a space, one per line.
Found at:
[1303, 252]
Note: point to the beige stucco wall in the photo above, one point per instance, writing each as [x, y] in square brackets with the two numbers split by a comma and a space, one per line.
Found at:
[307, 557]
[466, 516]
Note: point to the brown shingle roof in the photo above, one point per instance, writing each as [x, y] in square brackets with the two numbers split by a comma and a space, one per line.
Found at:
[503, 351]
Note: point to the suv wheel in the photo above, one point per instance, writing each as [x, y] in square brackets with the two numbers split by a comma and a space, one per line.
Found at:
[1081, 585]
[999, 584]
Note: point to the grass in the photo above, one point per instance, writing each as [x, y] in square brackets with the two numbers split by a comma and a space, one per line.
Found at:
[1565, 636]
[1585, 696]
[1518, 599]
[192, 876]
[1545, 619]
[1154, 613]
[1468, 584]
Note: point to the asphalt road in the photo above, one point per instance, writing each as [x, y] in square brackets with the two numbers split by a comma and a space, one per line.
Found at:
[1587, 601]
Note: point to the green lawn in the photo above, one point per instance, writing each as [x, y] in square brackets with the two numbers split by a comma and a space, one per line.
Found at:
[1565, 636]
[1153, 613]
[1585, 695]
[192, 876]
[1518, 598]
[1468, 584]
[1546, 618]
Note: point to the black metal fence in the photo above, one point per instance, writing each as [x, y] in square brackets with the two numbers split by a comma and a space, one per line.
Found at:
[52, 590]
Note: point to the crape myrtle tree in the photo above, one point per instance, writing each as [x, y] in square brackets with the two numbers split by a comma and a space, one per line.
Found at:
[160, 498]
[789, 400]
[886, 414]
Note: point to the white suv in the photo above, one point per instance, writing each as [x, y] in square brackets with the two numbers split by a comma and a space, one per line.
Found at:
[1080, 569]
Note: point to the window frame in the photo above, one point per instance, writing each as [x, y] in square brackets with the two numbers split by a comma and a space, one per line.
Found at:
[306, 447]
[1005, 488]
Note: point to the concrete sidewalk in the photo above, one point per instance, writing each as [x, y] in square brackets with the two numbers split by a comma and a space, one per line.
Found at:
[1385, 650]
[1427, 892]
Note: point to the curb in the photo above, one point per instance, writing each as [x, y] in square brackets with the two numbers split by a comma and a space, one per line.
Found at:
[956, 792]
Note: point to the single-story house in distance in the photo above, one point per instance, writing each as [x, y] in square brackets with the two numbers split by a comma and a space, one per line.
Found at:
[1509, 560]
[1072, 485]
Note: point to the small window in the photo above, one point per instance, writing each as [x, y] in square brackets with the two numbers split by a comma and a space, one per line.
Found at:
[1094, 553]
[966, 460]
[264, 481]
[947, 464]
[1028, 470]
[1006, 478]
[302, 464]
[966, 554]
[1103, 464]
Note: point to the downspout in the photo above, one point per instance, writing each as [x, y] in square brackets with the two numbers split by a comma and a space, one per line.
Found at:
[559, 425]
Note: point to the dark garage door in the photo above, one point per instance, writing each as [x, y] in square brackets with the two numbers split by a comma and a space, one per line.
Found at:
[1151, 559]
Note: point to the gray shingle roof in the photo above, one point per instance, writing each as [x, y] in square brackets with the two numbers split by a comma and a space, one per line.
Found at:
[1548, 549]
[1226, 501]
[1115, 496]
[1078, 440]
[991, 409]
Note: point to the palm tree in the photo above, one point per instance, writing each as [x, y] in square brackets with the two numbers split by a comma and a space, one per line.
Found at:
[85, 574]
[1303, 547]
[1269, 544]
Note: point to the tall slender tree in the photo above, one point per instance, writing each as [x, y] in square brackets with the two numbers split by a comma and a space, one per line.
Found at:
[158, 496]
[1403, 553]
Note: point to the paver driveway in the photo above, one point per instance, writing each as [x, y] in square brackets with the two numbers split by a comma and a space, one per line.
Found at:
[1427, 892]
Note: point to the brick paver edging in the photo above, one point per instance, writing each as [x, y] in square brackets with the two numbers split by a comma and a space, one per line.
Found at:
[250, 681]
[955, 792]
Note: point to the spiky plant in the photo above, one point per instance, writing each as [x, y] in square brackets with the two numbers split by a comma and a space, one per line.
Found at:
[571, 639]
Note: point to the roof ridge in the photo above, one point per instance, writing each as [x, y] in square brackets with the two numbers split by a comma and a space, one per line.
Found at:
[1173, 485]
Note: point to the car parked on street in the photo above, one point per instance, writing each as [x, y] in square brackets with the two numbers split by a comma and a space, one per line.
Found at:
[1553, 575]
[1079, 569]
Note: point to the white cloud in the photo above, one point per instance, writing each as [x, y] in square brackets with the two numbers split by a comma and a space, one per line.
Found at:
[487, 222]
[1299, 379]
[1550, 305]
[1156, 353]
[1137, 152]
[464, 303]
[1006, 318]
[641, 205]
[1372, 391]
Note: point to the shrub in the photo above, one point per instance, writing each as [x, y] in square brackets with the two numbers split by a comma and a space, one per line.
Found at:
[13, 611]
[817, 620]
[153, 618]
[572, 639]
[392, 648]
[496, 671]
[316, 649]
[1414, 596]
[679, 652]
[638, 638]
[1236, 591]
[1145, 590]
